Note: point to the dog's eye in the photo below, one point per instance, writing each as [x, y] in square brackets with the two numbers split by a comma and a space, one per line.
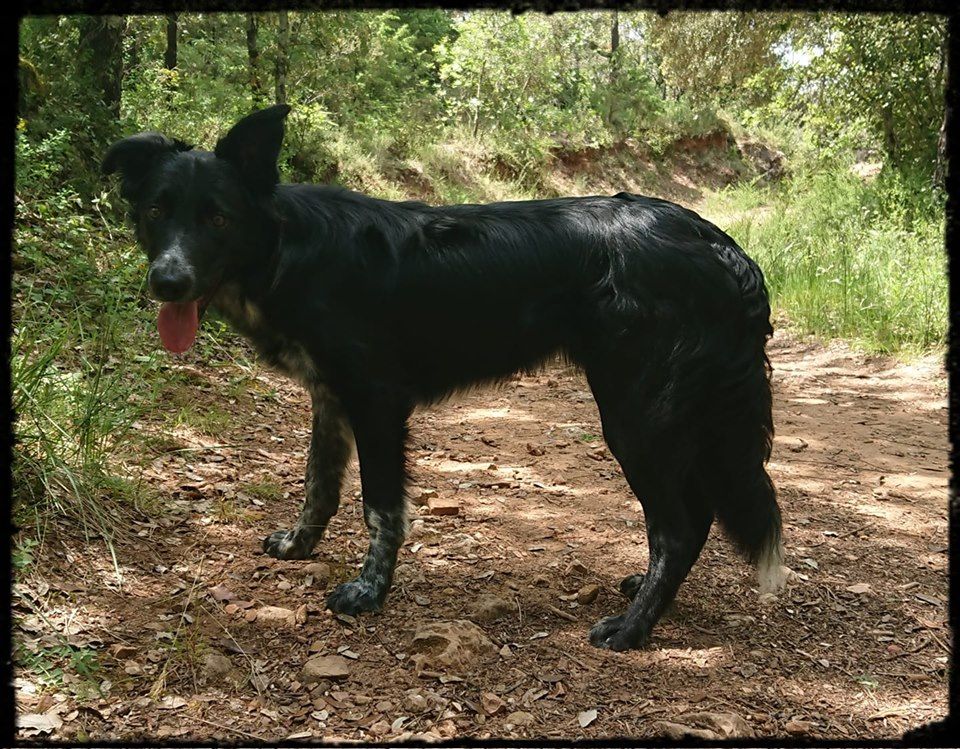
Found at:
[218, 221]
[153, 212]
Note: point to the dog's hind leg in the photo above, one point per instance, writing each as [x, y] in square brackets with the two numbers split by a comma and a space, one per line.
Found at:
[380, 447]
[658, 457]
[677, 527]
[329, 452]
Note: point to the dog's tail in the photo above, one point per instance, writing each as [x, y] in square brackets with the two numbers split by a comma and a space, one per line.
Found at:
[746, 501]
[751, 517]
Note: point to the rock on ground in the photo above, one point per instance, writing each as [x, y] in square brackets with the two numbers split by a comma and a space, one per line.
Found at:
[276, 616]
[518, 719]
[319, 571]
[325, 667]
[489, 608]
[454, 645]
[679, 732]
[727, 725]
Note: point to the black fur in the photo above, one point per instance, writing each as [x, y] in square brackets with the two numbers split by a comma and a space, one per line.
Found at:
[378, 306]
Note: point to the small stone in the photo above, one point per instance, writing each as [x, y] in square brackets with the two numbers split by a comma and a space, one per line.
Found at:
[727, 725]
[133, 668]
[276, 616]
[679, 732]
[216, 665]
[541, 581]
[416, 530]
[300, 615]
[518, 719]
[489, 608]
[799, 727]
[123, 652]
[443, 506]
[420, 497]
[491, 703]
[380, 728]
[320, 571]
[588, 594]
[325, 667]
[415, 702]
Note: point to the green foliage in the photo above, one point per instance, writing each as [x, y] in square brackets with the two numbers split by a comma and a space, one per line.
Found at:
[884, 73]
[706, 56]
[77, 312]
[849, 258]
[49, 664]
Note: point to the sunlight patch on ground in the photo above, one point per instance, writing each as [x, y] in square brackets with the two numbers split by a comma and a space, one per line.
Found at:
[481, 414]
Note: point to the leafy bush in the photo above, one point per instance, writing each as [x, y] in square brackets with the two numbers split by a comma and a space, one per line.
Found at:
[849, 258]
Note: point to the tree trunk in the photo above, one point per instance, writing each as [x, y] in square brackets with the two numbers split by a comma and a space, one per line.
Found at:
[476, 112]
[135, 49]
[615, 34]
[170, 55]
[614, 65]
[889, 134]
[282, 61]
[940, 168]
[101, 45]
[253, 57]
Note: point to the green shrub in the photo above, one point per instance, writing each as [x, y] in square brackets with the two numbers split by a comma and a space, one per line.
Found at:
[849, 258]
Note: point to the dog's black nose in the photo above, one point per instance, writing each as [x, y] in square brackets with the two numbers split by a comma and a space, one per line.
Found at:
[170, 284]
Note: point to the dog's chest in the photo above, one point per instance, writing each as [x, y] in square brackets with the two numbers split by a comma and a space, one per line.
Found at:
[277, 350]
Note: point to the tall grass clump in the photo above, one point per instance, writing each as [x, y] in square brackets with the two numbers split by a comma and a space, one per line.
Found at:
[848, 257]
[76, 313]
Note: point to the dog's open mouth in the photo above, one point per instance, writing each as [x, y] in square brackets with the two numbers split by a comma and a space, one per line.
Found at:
[177, 322]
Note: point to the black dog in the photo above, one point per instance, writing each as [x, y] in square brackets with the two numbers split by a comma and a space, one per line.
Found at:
[378, 306]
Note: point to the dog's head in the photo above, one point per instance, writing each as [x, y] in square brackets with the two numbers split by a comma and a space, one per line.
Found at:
[199, 215]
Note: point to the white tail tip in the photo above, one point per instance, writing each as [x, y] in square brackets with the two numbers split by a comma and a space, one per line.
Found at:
[771, 573]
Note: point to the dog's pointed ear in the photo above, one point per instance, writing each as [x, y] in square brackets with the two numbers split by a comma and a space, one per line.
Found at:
[253, 146]
[133, 157]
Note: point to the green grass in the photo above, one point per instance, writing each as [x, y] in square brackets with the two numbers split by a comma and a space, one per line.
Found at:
[49, 664]
[265, 489]
[82, 369]
[846, 258]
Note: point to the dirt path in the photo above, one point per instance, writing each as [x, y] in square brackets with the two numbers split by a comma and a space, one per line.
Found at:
[857, 646]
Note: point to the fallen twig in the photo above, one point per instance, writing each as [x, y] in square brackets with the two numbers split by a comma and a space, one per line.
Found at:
[561, 613]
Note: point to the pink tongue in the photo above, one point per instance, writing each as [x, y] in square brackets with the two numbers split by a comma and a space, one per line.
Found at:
[177, 324]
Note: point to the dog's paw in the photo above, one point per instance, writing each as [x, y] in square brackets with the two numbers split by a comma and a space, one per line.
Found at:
[630, 585]
[612, 633]
[286, 545]
[354, 597]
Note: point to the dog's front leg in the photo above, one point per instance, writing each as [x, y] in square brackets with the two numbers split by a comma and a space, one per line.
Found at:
[380, 444]
[329, 452]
